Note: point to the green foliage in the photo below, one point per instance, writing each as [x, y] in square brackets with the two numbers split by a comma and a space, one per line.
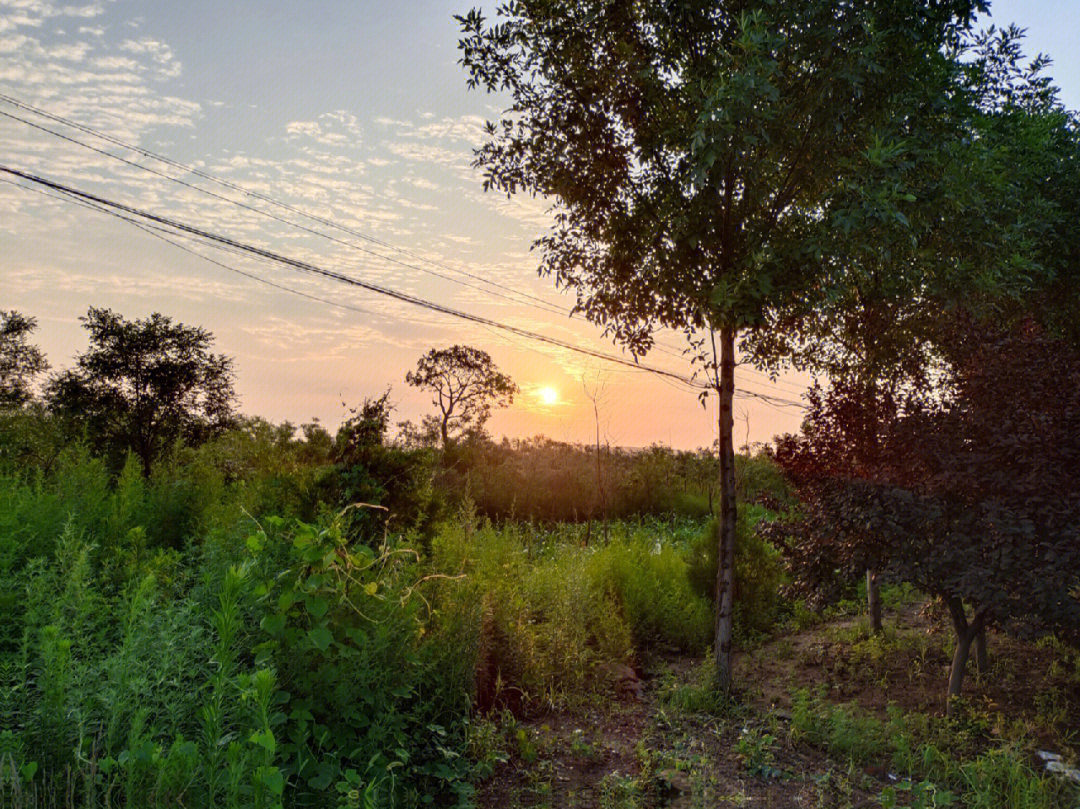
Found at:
[555, 619]
[697, 693]
[944, 761]
[387, 487]
[756, 752]
[370, 701]
[759, 574]
[540, 479]
[220, 634]
[20, 361]
[648, 578]
[544, 620]
[465, 385]
[135, 609]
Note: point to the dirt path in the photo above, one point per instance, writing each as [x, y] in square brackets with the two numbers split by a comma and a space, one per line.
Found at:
[671, 746]
[653, 751]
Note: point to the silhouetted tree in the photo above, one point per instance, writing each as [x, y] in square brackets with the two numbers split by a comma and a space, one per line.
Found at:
[388, 485]
[972, 496]
[144, 384]
[20, 361]
[465, 384]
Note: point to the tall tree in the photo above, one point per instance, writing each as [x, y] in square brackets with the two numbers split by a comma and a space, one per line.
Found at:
[20, 360]
[465, 385]
[144, 384]
[688, 148]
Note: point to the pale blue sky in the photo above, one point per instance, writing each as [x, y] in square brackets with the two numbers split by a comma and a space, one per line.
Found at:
[355, 111]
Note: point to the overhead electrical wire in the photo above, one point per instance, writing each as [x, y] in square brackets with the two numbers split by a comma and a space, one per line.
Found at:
[246, 191]
[306, 267]
[538, 302]
[163, 235]
[180, 228]
[547, 307]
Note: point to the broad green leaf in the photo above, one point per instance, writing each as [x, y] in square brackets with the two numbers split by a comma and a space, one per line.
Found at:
[321, 637]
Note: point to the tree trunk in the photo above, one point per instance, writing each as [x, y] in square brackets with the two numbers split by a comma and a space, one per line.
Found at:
[146, 456]
[725, 570]
[601, 500]
[873, 601]
[966, 633]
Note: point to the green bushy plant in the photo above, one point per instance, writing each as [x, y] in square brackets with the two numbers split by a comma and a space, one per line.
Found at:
[544, 621]
[648, 580]
[375, 703]
[759, 574]
[944, 765]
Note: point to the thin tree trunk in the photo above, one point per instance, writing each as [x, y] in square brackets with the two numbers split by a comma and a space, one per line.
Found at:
[599, 478]
[725, 573]
[873, 601]
[966, 633]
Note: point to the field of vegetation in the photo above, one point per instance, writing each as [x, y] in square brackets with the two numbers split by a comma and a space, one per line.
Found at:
[205, 609]
[266, 616]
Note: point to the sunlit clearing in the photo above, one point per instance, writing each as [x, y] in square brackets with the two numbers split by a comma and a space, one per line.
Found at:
[549, 396]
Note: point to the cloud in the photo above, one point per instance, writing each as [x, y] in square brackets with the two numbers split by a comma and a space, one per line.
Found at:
[83, 12]
[167, 64]
[469, 128]
[428, 153]
[309, 128]
[338, 128]
[74, 52]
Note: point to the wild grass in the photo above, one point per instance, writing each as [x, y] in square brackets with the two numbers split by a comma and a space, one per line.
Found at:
[935, 757]
[218, 635]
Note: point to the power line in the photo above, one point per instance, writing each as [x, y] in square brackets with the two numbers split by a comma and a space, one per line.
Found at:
[239, 189]
[160, 233]
[306, 267]
[219, 240]
[546, 307]
[539, 303]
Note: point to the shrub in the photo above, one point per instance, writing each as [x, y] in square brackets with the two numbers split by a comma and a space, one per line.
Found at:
[759, 574]
[371, 700]
[544, 621]
[647, 577]
[916, 745]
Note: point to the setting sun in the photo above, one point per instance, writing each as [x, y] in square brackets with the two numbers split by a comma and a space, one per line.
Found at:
[548, 396]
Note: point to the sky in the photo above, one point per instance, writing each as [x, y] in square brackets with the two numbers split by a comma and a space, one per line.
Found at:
[356, 112]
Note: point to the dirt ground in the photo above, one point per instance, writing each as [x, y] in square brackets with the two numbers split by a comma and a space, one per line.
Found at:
[630, 751]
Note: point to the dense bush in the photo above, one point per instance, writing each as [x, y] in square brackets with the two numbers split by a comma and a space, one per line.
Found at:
[554, 617]
[551, 481]
[178, 641]
[375, 692]
[759, 574]
[244, 669]
[540, 479]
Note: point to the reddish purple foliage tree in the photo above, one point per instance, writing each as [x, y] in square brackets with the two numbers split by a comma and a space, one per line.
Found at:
[973, 495]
